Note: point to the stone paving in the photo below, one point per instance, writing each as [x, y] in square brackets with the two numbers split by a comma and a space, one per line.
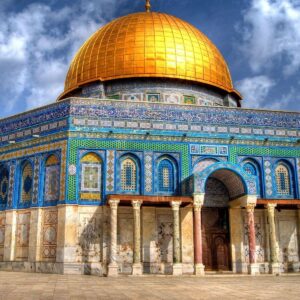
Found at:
[51, 286]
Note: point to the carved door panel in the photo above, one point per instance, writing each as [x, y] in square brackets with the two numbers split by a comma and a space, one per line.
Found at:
[220, 252]
[215, 239]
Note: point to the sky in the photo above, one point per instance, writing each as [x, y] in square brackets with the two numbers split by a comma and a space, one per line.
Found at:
[260, 40]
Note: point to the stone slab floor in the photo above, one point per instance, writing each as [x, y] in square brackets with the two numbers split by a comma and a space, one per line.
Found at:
[51, 286]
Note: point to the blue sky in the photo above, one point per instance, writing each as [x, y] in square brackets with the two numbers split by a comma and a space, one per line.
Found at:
[260, 40]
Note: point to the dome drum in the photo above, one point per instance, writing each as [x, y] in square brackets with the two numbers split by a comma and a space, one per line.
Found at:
[168, 91]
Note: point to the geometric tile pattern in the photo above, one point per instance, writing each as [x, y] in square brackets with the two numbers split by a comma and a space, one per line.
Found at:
[203, 164]
[36, 172]
[268, 177]
[148, 171]
[110, 170]
[12, 168]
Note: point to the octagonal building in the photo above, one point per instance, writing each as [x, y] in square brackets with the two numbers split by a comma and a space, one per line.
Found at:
[148, 164]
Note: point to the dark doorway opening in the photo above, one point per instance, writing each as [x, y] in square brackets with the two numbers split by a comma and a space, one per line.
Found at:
[215, 227]
[216, 239]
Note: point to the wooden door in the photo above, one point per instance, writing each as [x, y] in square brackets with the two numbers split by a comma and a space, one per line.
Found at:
[215, 238]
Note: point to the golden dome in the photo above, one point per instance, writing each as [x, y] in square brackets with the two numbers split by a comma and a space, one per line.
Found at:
[148, 44]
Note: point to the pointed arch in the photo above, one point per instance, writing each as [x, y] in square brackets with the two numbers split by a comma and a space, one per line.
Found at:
[167, 175]
[283, 173]
[236, 180]
[129, 173]
[4, 184]
[26, 183]
[252, 167]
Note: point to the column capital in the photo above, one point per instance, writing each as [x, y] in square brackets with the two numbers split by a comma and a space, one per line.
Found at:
[175, 205]
[113, 203]
[270, 206]
[136, 204]
[250, 207]
[198, 201]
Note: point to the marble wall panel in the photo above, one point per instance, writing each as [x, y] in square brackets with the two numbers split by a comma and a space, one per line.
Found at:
[49, 234]
[22, 240]
[187, 239]
[287, 238]
[2, 234]
[89, 236]
[125, 239]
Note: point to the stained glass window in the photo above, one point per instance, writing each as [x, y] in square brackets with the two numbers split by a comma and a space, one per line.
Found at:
[128, 175]
[166, 176]
[3, 185]
[52, 178]
[27, 181]
[282, 180]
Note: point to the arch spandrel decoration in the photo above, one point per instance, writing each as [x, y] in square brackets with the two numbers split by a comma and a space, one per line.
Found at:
[248, 181]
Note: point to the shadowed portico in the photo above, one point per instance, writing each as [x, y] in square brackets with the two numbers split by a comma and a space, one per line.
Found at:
[240, 190]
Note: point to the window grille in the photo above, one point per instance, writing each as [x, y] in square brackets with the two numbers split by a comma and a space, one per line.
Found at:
[166, 176]
[128, 175]
[282, 180]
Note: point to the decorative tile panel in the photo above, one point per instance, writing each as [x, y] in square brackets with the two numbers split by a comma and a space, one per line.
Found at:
[148, 171]
[110, 170]
[36, 173]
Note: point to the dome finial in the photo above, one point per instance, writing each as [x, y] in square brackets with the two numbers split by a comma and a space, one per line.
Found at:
[148, 6]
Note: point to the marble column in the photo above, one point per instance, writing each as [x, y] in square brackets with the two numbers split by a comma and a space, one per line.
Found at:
[113, 265]
[198, 252]
[253, 267]
[177, 266]
[274, 263]
[137, 268]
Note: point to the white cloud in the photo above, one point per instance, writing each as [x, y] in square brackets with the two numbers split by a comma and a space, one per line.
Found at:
[271, 34]
[36, 48]
[255, 90]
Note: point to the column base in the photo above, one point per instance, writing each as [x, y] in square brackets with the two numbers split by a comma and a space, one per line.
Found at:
[137, 269]
[177, 269]
[253, 269]
[113, 270]
[199, 269]
[274, 268]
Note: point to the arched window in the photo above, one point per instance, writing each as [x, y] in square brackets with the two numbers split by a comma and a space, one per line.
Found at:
[283, 183]
[27, 183]
[4, 176]
[52, 178]
[91, 177]
[166, 176]
[128, 175]
[252, 168]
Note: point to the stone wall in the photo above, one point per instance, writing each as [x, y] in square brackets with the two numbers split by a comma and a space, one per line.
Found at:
[75, 239]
